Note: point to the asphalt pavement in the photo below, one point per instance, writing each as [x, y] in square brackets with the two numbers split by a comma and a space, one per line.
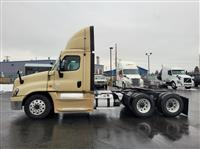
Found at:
[103, 129]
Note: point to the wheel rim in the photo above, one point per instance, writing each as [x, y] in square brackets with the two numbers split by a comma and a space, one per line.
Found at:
[37, 107]
[143, 105]
[172, 105]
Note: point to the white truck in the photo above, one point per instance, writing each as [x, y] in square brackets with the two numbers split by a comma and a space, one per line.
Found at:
[128, 75]
[176, 77]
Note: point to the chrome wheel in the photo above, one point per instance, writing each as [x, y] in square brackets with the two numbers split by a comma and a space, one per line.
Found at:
[143, 105]
[172, 105]
[37, 107]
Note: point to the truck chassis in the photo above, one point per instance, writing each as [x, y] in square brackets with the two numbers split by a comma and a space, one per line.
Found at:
[143, 102]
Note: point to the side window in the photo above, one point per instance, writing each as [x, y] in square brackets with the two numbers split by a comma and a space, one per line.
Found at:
[70, 63]
[169, 72]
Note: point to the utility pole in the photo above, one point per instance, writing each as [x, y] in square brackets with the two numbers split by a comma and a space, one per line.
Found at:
[148, 54]
[115, 61]
[199, 60]
[111, 66]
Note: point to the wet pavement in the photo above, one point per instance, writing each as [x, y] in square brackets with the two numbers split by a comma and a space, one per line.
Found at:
[102, 129]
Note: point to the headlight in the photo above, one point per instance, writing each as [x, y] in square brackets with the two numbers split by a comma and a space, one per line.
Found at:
[15, 92]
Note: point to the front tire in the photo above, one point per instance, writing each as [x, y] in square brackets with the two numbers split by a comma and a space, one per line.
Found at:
[173, 85]
[37, 106]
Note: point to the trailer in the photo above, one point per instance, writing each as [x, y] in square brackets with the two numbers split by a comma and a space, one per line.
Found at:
[69, 87]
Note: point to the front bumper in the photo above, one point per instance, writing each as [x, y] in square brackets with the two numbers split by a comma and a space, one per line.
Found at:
[16, 103]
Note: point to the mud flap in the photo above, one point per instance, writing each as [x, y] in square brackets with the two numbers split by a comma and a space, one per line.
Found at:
[185, 104]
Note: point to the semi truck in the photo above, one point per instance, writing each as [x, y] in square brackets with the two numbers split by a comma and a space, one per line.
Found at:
[69, 87]
[175, 77]
[128, 75]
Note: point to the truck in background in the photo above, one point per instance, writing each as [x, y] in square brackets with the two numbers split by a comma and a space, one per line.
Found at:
[175, 77]
[128, 75]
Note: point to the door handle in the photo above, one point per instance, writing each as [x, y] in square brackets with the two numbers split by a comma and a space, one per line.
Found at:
[78, 84]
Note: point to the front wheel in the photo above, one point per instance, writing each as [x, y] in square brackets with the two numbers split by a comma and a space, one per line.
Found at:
[173, 84]
[37, 106]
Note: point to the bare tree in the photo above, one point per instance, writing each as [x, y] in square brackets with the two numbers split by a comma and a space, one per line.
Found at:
[196, 70]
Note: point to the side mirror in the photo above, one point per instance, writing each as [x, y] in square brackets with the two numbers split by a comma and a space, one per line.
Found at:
[59, 69]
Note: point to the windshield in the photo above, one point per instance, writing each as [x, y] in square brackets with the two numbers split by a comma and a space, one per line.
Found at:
[55, 66]
[100, 77]
[130, 71]
[178, 72]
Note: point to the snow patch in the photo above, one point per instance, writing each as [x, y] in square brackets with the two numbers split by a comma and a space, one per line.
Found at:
[6, 87]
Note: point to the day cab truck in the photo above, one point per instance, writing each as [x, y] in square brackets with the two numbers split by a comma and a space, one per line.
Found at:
[176, 77]
[69, 87]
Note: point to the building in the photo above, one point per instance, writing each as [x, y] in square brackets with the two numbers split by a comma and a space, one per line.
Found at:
[99, 69]
[9, 68]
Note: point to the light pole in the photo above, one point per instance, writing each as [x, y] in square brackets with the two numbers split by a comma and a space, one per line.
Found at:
[116, 61]
[148, 54]
[111, 64]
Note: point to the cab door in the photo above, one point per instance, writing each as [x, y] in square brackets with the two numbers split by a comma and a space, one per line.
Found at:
[70, 77]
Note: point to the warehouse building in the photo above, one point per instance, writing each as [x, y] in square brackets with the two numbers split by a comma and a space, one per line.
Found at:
[9, 68]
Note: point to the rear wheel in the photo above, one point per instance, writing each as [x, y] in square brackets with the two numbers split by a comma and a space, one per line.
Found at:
[171, 105]
[37, 106]
[142, 105]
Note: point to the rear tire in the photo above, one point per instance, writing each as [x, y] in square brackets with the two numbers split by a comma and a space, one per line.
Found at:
[37, 106]
[142, 105]
[171, 105]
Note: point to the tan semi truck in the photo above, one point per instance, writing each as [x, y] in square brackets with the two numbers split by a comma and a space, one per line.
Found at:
[69, 87]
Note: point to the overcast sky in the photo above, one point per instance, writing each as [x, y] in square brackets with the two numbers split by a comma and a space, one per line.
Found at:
[170, 30]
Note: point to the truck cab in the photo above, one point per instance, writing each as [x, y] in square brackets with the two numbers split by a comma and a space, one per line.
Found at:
[68, 86]
[128, 75]
[176, 77]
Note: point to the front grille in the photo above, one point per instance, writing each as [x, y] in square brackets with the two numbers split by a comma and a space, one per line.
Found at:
[135, 82]
[187, 80]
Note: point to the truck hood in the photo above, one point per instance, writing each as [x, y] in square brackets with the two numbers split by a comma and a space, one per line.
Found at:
[183, 76]
[33, 77]
[33, 82]
[134, 76]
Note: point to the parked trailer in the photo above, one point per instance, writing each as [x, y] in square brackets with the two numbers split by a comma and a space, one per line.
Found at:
[69, 87]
